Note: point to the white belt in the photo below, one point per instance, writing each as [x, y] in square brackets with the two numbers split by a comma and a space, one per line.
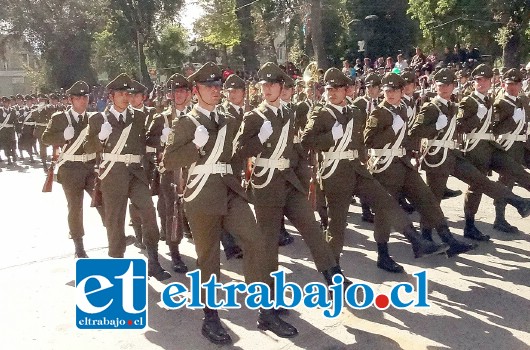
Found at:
[216, 168]
[280, 164]
[150, 149]
[41, 124]
[442, 143]
[7, 126]
[397, 152]
[511, 137]
[296, 139]
[79, 157]
[122, 158]
[481, 136]
[29, 123]
[351, 155]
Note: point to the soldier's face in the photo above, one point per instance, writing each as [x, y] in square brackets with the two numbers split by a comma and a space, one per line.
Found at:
[209, 94]
[79, 103]
[336, 95]
[373, 91]
[271, 91]
[286, 94]
[350, 91]
[445, 90]
[409, 89]
[136, 100]
[482, 84]
[513, 89]
[181, 96]
[236, 96]
[393, 96]
[120, 99]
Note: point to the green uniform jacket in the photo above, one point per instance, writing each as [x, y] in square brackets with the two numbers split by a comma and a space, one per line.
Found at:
[318, 136]
[249, 145]
[229, 109]
[42, 118]
[379, 132]
[54, 135]
[425, 127]
[7, 134]
[118, 176]
[182, 152]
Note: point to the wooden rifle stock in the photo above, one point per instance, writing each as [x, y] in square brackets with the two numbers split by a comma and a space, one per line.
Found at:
[177, 229]
[48, 184]
[97, 197]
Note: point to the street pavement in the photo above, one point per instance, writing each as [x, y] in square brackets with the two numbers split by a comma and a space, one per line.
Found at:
[478, 300]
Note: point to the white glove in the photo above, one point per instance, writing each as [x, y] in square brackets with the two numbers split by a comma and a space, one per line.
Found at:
[397, 124]
[265, 131]
[481, 112]
[201, 136]
[165, 135]
[518, 115]
[441, 122]
[337, 131]
[69, 133]
[106, 130]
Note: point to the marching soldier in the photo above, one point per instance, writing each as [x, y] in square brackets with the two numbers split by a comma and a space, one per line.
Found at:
[214, 199]
[75, 168]
[480, 148]
[436, 124]
[8, 123]
[335, 130]
[138, 95]
[26, 140]
[365, 105]
[157, 137]
[391, 162]
[119, 136]
[510, 124]
[41, 114]
[267, 134]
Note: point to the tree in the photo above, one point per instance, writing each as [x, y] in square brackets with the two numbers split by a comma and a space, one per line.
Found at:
[490, 24]
[316, 34]
[61, 31]
[248, 43]
[168, 51]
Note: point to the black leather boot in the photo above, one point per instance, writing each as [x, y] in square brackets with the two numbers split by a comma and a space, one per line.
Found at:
[500, 223]
[80, 252]
[522, 205]
[178, 265]
[154, 269]
[472, 232]
[421, 246]
[449, 193]
[284, 237]
[335, 270]
[405, 205]
[139, 237]
[455, 246]
[212, 328]
[268, 320]
[385, 262]
[367, 215]
[426, 233]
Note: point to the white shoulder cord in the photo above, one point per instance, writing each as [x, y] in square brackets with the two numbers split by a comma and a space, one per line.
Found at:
[446, 137]
[344, 141]
[470, 142]
[383, 160]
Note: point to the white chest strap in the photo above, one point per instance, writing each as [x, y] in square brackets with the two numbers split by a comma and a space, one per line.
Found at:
[275, 156]
[108, 164]
[473, 138]
[379, 163]
[432, 147]
[507, 140]
[330, 161]
[195, 185]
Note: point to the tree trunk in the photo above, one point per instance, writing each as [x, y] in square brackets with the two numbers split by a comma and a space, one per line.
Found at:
[248, 42]
[316, 34]
[511, 53]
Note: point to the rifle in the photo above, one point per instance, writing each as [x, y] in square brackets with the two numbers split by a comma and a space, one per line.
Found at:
[312, 195]
[48, 183]
[177, 228]
[97, 197]
[246, 105]
[155, 181]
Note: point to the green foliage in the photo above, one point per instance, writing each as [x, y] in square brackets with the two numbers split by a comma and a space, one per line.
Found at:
[218, 26]
[167, 52]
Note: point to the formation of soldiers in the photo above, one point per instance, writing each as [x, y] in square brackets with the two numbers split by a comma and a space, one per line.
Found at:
[208, 161]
